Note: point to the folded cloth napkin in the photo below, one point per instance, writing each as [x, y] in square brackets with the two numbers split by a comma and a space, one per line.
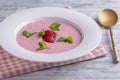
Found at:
[11, 65]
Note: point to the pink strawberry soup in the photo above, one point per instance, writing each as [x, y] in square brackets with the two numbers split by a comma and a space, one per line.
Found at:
[65, 30]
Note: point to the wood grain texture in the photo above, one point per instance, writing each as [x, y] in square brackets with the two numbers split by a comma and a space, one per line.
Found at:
[97, 69]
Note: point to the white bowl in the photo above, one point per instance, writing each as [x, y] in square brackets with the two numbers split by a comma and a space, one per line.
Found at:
[10, 26]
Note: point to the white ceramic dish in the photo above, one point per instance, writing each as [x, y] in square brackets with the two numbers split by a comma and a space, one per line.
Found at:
[10, 26]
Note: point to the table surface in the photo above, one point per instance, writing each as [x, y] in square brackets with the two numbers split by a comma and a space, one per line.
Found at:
[97, 69]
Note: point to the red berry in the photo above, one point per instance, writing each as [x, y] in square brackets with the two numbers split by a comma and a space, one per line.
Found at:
[49, 36]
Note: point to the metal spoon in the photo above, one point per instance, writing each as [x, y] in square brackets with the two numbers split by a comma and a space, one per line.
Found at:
[109, 18]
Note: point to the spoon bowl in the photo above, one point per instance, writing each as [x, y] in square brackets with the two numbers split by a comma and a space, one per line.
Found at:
[108, 17]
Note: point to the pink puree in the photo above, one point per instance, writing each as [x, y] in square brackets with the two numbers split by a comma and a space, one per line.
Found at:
[65, 31]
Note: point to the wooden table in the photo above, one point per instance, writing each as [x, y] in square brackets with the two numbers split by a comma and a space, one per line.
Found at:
[97, 69]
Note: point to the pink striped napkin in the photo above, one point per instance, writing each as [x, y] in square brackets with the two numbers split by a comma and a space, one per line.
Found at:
[11, 65]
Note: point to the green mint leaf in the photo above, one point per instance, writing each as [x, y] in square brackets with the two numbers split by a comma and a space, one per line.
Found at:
[66, 40]
[28, 34]
[55, 26]
[41, 34]
[61, 39]
[42, 46]
[69, 40]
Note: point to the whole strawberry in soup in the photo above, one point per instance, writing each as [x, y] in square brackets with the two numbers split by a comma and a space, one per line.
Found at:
[49, 36]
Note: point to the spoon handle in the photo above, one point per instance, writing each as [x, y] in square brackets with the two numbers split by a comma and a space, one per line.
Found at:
[115, 52]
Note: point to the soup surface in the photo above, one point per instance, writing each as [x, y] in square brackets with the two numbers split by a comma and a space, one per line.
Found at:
[65, 30]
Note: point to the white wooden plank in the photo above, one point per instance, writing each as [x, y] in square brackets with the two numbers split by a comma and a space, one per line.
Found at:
[98, 69]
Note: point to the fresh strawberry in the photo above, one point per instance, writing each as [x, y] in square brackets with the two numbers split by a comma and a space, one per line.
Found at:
[49, 36]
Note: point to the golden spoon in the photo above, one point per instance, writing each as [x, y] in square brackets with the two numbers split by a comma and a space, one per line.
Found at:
[109, 18]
